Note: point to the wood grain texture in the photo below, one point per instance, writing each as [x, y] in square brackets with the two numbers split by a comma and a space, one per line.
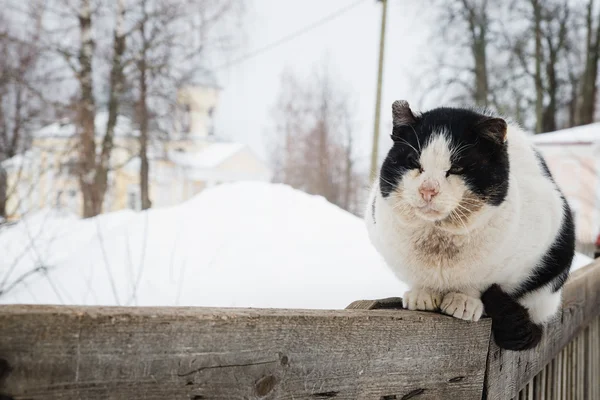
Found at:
[201, 353]
[389, 303]
[509, 372]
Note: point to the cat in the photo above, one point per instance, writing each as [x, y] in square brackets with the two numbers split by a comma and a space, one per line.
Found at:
[466, 212]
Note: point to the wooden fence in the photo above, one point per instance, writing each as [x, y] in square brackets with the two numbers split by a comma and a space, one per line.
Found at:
[62, 352]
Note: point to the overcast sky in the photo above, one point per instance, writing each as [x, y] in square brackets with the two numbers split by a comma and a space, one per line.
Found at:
[351, 44]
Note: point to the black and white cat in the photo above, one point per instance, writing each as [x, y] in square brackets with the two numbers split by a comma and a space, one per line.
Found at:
[465, 212]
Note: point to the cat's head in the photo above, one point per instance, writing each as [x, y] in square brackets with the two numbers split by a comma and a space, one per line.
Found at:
[446, 165]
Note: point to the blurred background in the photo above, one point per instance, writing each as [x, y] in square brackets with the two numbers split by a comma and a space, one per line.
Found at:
[219, 152]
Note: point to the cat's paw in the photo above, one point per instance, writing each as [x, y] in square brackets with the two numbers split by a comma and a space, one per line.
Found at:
[462, 306]
[420, 299]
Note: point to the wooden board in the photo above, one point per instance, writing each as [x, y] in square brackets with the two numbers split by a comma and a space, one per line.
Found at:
[201, 353]
[509, 372]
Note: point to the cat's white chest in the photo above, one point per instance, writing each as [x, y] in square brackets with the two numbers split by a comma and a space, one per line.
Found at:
[427, 256]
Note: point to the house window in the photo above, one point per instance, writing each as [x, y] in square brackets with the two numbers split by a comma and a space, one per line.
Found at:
[133, 197]
[185, 120]
[211, 128]
[69, 167]
[58, 199]
[132, 200]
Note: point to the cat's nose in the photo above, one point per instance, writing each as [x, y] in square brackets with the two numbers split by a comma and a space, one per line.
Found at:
[428, 192]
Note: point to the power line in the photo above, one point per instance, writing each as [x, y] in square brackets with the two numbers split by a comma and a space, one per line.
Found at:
[328, 18]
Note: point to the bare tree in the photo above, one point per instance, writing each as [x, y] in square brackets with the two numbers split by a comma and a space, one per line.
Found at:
[476, 16]
[535, 74]
[92, 202]
[463, 39]
[24, 80]
[171, 45]
[586, 100]
[539, 87]
[556, 18]
[313, 148]
[94, 161]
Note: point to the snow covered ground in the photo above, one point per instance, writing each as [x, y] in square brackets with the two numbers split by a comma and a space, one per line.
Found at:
[245, 244]
[236, 245]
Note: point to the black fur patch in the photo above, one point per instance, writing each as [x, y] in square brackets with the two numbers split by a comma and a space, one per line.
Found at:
[554, 267]
[544, 166]
[511, 325]
[483, 156]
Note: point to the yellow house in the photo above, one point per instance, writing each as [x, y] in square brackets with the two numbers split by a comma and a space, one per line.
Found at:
[188, 161]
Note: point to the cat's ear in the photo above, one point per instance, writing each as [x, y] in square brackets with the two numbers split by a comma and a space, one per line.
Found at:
[494, 129]
[402, 114]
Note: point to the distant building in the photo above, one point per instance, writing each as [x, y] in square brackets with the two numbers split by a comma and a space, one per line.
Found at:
[573, 156]
[191, 159]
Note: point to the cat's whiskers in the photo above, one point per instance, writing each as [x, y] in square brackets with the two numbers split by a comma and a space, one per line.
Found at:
[410, 145]
[460, 149]
[417, 137]
[468, 210]
[467, 232]
[387, 181]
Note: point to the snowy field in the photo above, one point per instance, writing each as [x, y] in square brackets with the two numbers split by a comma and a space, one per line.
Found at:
[236, 245]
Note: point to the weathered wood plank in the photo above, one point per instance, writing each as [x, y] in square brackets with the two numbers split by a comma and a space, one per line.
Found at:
[509, 372]
[389, 303]
[201, 353]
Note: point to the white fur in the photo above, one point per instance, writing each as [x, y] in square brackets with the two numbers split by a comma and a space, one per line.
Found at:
[499, 245]
[420, 299]
[462, 306]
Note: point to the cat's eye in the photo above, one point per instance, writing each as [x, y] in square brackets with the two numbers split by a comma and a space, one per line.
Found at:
[413, 163]
[455, 170]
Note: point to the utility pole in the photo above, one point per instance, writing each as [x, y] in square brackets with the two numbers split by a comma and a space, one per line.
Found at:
[374, 153]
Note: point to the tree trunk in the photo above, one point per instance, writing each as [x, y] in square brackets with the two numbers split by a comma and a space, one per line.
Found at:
[348, 173]
[16, 135]
[3, 191]
[539, 88]
[573, 102]
[143, 119]
[476, 16]
[549, 119]
[116, 90]
[87, 113]
[481, 78]
[586, 101]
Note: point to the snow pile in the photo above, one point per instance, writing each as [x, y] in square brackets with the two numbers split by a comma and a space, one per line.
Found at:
[580, 134]
[236, 245]
[244, 245]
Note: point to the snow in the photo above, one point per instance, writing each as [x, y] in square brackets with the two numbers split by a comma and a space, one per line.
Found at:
[243, 244]
[585, 133]
[210, 157]
[18, 161]
[237, 245]
[65, 129]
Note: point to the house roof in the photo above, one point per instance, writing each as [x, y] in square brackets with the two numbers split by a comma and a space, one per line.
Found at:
[585, 134]
[210, 157]
[203, 165]
[206, 78]
[124, 127]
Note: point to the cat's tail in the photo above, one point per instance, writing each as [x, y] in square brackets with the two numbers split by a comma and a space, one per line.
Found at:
[511, 325]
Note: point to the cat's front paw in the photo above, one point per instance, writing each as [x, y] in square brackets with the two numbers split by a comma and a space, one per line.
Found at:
[462, 306]
[420, 299]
